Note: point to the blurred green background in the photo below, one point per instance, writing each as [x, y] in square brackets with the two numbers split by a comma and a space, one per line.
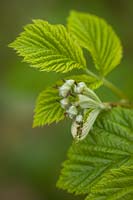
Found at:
[30, 159]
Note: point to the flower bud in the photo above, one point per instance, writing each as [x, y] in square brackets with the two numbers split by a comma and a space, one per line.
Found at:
[79, 119]
[79, 88]
[72, 111]
[70, 82]
[64, 103]
[64, 90]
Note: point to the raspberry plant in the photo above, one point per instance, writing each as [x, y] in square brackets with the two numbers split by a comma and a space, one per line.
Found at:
[100, 160]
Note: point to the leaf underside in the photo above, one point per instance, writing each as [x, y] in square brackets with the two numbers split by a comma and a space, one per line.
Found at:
[94, 34]
[49, 47]
[108, 146]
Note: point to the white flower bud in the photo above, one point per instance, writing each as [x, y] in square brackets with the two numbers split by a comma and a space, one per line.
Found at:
[72, 112]
[80, 87]
[82, 84]
[64, 103]
[79, 119]
[70, 82]
[64, 90]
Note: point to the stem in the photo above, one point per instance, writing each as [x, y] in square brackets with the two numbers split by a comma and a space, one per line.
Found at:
[109, 85]
[122, 104]
[114, 89]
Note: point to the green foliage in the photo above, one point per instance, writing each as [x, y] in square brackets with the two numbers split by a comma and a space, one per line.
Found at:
[100, 166]
[116, 185]
[108, 146]
[94, 34]
[48, 109]
[49, 47]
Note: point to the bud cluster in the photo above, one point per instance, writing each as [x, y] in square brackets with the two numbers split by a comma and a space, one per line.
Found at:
[76, 100]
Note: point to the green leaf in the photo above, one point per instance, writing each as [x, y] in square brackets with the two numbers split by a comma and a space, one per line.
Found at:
[116, 185]
[49, 47]
[48, 108]
[94, 34]
[108, 146]
[90, 81]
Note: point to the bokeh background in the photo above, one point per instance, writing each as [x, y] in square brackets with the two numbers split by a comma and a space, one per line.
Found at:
[30, 159]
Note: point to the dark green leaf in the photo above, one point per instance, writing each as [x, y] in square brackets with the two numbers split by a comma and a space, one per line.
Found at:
[108, 146]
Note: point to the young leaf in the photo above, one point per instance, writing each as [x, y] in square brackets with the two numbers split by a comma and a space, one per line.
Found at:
[116, 185]
[109, 145]
[48, 109]
[94, 34]
[49, 47]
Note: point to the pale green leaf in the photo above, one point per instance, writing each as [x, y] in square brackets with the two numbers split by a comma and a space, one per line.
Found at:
[48, 108]
[108, 146]
[94, 34]
[49, 47]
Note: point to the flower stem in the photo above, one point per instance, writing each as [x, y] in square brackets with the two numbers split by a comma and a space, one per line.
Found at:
[109, 85]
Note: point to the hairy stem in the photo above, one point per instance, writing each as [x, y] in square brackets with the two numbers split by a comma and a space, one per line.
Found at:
[109, 85]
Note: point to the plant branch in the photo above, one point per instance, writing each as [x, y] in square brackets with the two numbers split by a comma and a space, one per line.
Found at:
[114, 89]
[109, 85]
